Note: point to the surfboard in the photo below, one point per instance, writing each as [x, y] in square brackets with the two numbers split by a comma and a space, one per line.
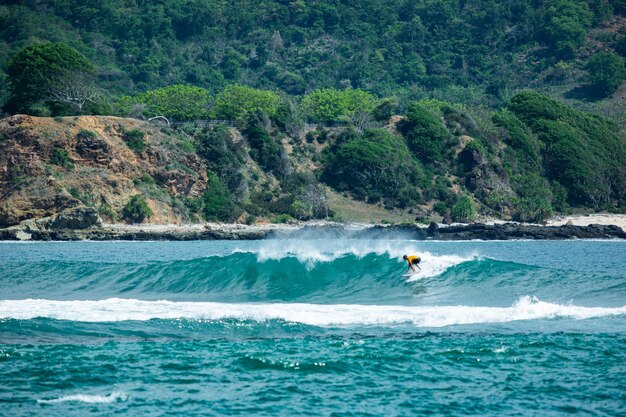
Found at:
[410, 274]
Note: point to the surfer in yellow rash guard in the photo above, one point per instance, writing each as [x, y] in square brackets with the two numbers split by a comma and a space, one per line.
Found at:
[413, 260]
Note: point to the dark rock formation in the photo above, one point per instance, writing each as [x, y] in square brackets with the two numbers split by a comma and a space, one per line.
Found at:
[42, 229]
[76, 218]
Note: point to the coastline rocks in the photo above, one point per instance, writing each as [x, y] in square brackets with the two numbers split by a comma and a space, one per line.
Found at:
[83, 223]
[508, 231]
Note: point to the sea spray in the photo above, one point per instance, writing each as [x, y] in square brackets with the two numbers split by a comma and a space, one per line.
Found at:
[114, 396]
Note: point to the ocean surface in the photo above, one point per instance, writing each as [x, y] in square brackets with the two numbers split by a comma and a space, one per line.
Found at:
[313, 327]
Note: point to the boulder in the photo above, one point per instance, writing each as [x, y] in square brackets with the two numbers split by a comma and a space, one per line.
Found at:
[76, 218]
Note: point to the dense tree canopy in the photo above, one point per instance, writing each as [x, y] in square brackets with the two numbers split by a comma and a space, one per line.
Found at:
[177, 102]
[457, 50]
[376, 165]
[34, 71]
[583, 152]
[311, 85]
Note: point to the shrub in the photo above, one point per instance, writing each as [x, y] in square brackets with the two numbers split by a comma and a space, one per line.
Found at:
[136, 210]
[217, 203]
[145, 179]
[61, 158]
[440, 207]
[463, 210]
[105, 210]
[86, 134]
[606, 73]
[134, 139]
[282, 218]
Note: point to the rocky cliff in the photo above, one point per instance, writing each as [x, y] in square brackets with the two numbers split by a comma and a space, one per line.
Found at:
[50, 165]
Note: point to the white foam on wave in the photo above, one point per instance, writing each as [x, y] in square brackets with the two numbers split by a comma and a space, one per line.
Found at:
[115, 396]
[311, 252]
[116, 309]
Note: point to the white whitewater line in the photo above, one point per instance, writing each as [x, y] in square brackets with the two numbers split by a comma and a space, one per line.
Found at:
[311, 252]
[117, 309]
[87, 398]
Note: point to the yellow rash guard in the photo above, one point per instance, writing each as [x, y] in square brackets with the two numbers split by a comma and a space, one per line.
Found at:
[413, 260]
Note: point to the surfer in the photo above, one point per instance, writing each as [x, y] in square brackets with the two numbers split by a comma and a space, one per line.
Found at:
[413, 262]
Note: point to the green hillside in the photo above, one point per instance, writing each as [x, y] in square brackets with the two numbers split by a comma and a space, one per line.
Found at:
[476, 51]
[433, 109]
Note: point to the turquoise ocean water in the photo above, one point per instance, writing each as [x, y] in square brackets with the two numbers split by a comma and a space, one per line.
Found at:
[313, 327]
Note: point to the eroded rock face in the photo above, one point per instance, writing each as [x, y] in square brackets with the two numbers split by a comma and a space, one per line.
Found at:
[50, 165]
[94, 148]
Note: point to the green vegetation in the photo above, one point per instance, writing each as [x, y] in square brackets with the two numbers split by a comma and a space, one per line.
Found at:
[567, 23]
[458, 51]
[107, 212]
[277, 97]
[134, 139]
[606, 72]
[330, 105]
[86, 134]
[61, 158]
[237, 102]
[376, 165]
[136, 210]
[222, 156]
[583, 152]
[425, 135]
[535, 201]
[463, 210]
[35, 73]
[217, 203]
[175, 102]
[265, 150]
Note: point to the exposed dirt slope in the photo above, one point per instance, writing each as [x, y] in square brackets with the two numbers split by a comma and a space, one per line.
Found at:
[47, 165]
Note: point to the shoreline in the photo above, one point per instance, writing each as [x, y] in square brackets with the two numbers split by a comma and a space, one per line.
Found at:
[598, 226]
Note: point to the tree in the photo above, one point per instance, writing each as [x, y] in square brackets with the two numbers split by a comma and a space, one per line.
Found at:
[177, 102]
[372, 166]
[237, 102]
[566, 26]
[222, 156]
[425, 134]
[48, 72]
[534, 202]
[74, 89]
[330, 105]
[582, 151]
[606, 73]
[266, 150]
[217, 202]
